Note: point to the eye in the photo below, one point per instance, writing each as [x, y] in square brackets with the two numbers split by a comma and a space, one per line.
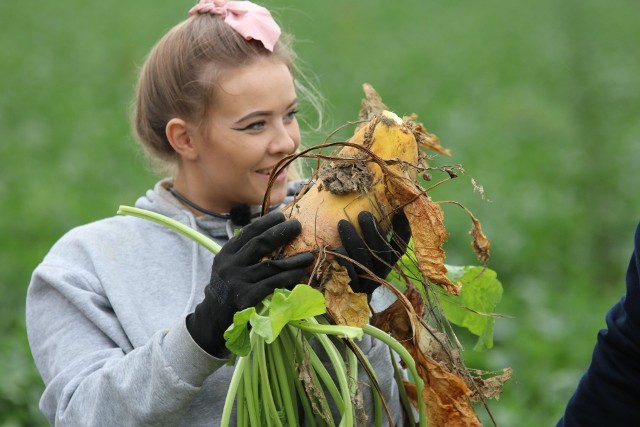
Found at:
[259, 125]
[291, 115]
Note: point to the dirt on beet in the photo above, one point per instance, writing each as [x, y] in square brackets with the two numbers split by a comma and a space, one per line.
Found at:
[343, 178]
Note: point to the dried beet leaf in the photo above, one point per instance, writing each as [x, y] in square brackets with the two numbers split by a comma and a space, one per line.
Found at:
[427, 229]
[447, 396]
[345, 306]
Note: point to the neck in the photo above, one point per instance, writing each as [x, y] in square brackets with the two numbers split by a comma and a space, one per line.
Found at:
[239, 215]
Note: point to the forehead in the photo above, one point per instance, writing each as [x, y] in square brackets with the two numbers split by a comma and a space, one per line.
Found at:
[261, 84]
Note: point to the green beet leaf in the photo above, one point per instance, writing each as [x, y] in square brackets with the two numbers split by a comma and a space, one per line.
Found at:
[237, 338]
[279, 309]
[480, 293]
[300, 303]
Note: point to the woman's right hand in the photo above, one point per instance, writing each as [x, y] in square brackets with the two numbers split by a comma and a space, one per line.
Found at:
[240, 279]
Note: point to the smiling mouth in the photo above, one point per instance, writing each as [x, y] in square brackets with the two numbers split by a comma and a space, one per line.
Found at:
[266, 172]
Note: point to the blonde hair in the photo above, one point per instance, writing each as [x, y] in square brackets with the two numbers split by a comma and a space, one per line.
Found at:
[179, 77]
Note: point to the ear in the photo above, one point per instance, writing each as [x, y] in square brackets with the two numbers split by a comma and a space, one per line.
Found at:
[179, 137]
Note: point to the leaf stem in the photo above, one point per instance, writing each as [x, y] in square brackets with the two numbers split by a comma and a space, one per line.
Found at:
[241, 366]
[311, 325]
[270, 410]
[404, 398]
[287, 350]
[338, 365]
[406, 358]
[376, 397]
[173, 225]
[353, 374]
[250, 397]
[281, 378]
[303, 347]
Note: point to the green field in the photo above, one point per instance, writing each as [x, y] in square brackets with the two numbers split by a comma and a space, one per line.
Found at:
[538, 100]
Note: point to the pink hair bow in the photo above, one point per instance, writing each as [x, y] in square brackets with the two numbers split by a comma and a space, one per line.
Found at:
[247, 18]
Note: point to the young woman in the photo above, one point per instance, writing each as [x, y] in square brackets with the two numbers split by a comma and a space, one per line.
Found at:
[125, 318]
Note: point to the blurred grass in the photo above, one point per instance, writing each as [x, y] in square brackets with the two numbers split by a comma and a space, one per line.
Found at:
[538, 100]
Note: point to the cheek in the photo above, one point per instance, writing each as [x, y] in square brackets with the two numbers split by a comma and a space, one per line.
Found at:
[236, 155]
[294, 134]
[227, 167]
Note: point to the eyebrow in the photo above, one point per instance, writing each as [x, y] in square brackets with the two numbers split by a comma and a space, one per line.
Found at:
[260, 113]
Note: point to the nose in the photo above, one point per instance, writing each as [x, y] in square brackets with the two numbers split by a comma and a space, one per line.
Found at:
[286, 138]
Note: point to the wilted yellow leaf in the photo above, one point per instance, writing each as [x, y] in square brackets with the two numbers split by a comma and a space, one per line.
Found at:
[446, 394]
[426, 139]
[427, 229]
[480, 243]
[345, 306]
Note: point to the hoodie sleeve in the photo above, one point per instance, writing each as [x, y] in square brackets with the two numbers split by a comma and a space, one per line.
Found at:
[607, 394]
[93, 375]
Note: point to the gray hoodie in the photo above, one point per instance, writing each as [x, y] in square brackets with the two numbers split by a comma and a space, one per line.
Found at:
[106, 313]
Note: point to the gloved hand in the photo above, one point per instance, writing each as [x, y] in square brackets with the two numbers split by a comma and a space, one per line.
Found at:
[372, 250]
[240, 280]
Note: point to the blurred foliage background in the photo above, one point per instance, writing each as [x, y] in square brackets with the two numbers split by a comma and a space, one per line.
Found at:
[538, 100]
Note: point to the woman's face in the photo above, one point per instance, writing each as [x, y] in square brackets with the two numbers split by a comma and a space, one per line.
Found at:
[250, 129]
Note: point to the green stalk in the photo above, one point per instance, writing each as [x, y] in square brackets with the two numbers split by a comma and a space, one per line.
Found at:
[282, 378]
[336, 360]
[255, 389]
[241, 365]
[289, 350]
[311, 325]
[406, 358]
[288, 364]
[320, 370]
[173, 225]
[276, 391]
[251, 398]
[377, 399]
[404, 398]
[241, 411]
[353, 374]
[270, 409]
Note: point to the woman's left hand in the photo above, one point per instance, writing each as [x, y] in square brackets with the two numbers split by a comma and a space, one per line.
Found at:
[373, 251]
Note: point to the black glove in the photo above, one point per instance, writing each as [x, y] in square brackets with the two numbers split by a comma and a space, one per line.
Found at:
[240, 280]
[372, 250]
